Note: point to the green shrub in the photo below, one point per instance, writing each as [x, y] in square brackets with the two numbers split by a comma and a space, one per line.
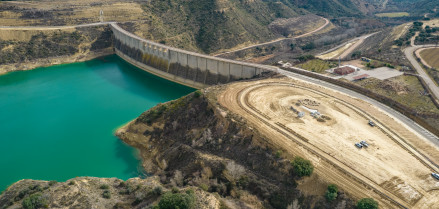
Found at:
[122, 184]
[72, 183]
[204, 187]
[367, 203]
[197, 94]
[157, 190]
[309, 46]
[278, 154]
[330, 196]
[175, 190]
[177, 200]
[104, 186]
[302, 167]
[331, 192]
[106, 194]
[332, 188]
[34, 201]
[51, 183]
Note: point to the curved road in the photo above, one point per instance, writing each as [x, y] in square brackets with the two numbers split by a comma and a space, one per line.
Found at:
[409, 53]
[277, 40]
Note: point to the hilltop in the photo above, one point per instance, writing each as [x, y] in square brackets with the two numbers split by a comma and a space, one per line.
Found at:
[205, 26]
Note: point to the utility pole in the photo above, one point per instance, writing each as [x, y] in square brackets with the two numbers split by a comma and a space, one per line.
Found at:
[339, 61]
[101, 15]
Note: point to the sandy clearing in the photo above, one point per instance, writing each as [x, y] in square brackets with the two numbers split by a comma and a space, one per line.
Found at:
[336, 53]
[381, 163]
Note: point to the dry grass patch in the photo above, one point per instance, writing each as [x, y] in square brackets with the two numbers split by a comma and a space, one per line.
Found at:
[406, 90]
[431, 56]
[317, 65]
[393, 14]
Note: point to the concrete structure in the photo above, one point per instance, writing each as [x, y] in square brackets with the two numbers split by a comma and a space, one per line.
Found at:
[381, 73]
[185, 67]
[360, 77]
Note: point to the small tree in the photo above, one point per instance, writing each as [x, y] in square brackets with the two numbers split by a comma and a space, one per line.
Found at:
[367, 203]
[331, 192]
[302, 167]
[177, 200]
[34, 201]
[292, 46]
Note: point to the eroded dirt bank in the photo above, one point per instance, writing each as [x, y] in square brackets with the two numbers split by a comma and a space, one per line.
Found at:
[25, 49]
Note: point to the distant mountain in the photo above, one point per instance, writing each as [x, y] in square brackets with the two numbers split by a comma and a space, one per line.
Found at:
[330, 7]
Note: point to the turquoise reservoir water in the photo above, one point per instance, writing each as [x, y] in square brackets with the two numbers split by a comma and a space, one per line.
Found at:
[58, 122]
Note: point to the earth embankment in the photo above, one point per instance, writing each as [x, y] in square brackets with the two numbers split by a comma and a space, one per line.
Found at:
[329, 140]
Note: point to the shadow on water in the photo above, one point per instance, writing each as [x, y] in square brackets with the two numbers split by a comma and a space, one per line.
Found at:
[129, 155]
[13, 78]
[130, 77]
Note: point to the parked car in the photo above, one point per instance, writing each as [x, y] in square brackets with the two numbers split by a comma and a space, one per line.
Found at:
[364, 143]
[371, 123]
[359, 145]
[435, 175]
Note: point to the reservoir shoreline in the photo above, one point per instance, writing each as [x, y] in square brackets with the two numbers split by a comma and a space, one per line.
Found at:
[80, 97]
[51, 61]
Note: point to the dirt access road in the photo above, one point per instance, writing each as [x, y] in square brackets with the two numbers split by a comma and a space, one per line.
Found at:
[377, 171]
[343, 53]
[277, 40]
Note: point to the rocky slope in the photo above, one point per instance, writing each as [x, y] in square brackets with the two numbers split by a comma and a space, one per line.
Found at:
[23, 49]
[89, 192]
[198, 25]
[193, 141]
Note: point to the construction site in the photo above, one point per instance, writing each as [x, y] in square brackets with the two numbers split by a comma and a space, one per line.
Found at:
[394, 164]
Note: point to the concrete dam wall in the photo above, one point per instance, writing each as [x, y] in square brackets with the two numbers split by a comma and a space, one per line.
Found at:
[185, 67]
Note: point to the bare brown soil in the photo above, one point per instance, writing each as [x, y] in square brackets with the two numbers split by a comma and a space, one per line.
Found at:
[395, 169]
